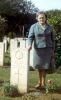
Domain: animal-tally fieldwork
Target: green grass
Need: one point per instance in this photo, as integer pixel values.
(4, 73)
(33, 79)
(7, 59)
(33, 76)
(56, 78)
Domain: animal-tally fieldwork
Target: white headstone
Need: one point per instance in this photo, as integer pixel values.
(19, 65)
(24, 43)
(1, 54)
(14, 67)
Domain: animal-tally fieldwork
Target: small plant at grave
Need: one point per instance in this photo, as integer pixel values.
(10, 90)
(51, 86)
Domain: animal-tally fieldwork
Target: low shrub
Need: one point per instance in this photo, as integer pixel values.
(51, 86)
(10, 90)
(58, 70)
(32, 69)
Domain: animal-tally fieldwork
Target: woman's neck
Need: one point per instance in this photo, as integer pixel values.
(43, 24)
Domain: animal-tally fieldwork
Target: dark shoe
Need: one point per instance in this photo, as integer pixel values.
(42, 87)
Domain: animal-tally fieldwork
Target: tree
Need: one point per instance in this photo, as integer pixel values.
(12, 7)
(3, 27)
(55, 20)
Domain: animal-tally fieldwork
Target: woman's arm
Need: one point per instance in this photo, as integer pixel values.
(30, 37)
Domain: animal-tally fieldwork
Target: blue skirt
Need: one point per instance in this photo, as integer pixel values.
(42, 57)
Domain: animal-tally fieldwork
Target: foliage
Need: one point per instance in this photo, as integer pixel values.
(51, 86)
(10, 90)
(58, 56)
(54, 18)
(32, 69)
(3, 27)
(59, 70)
(12, 7)
(29, 7)
(9, 6)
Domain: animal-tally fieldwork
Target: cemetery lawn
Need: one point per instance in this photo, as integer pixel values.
(33, 79)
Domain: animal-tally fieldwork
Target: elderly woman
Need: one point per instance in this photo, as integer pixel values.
(42, 35)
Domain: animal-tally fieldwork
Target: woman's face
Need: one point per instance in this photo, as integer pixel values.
(41, 18)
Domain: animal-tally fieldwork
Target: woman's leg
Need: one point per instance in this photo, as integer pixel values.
(42, 76)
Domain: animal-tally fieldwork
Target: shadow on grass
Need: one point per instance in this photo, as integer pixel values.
(57, 90)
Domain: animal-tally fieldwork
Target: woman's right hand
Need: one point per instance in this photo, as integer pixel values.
(29, 47)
